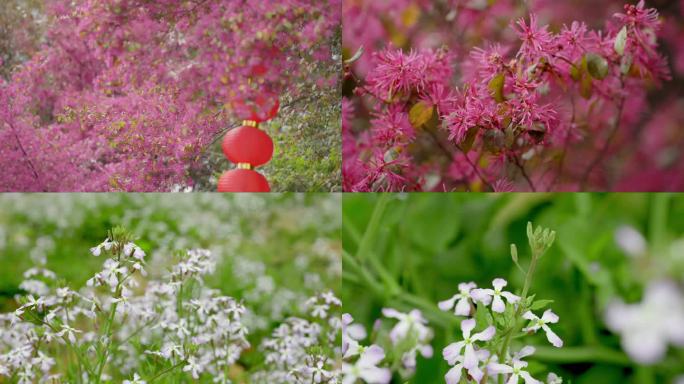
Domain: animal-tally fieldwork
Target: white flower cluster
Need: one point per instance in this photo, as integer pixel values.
(476, 353)
(176, 322)
(409, 337)
(296, 352)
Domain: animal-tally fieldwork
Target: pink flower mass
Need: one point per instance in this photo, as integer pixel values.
(509, 95)
(128, 94)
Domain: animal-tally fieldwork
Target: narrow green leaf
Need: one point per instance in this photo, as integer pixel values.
(621, 41)
(496, 86)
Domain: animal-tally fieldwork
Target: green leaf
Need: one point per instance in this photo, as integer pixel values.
(540, 304)
(620, 41)
(469, 139)
(586, 87)
(481, 316)
(597, 66)
(496, 86)
(420, 114)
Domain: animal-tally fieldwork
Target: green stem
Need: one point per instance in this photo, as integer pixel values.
(373, 226)
(658, 221)
(583, 354)
(523, 299)
(164, 372)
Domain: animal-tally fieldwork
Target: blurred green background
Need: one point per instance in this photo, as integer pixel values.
(416, 248)
(276, 250)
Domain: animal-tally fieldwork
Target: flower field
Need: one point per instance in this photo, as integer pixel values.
(210, 288)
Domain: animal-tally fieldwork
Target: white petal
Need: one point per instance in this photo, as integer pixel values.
(499, 283)
(467, 326)
(356, 331)
(470, 359)
(529, 379)
(482, 295)
(530, 316)
(549, 317)
(454, 375)
(510, 297)
(645, 346)
(426, 351)
(390, 312)
(498, 304)
(552, 337)
(447, 304)
(462, 307)
(497, 368)
(371, 356)
(513, 379)
(452, 352)
(485, 335)
(466, 286)
(375, 375)
(476, 373)
(526, 351)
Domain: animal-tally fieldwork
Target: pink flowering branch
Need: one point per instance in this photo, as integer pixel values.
(515, 110)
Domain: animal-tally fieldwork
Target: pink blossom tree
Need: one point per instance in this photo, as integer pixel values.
(130, 94)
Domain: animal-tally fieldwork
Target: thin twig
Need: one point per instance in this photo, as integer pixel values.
(451, 157)
(516, 161)
(611, 136)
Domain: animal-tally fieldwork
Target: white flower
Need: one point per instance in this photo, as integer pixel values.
(552, 378)
(469, 359)
(516, 371)
(647, 327)
(193, 367)
(69, 332)
(494, 295)
(132, 250)
(107, 245)
(351, 333)
(412, 322)
(462, 306)
(536, 323)
(366, 368)
(411, 327)
(43, 361)
(630, 240)
(136, 380)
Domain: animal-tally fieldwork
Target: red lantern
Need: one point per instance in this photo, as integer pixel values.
(248, 145)
(243, 180)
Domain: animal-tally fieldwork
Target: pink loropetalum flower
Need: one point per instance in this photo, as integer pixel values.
(399, 74)
(470, 359)
(462, 307)
(366, 368)
(536, 40)
(547, 318)
(495, 295)
(639, 17)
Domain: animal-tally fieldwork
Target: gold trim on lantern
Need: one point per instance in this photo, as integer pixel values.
(250, 123)
(244, 166)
